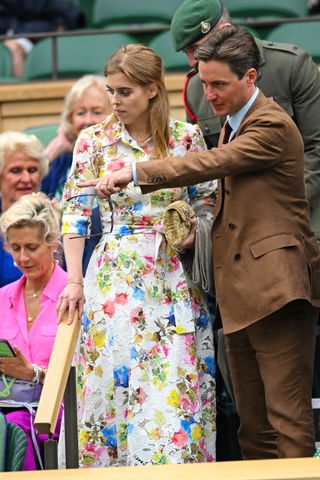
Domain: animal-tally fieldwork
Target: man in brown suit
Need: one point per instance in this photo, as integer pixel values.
(266, 257)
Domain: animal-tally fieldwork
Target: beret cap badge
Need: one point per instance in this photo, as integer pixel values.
(205, 27)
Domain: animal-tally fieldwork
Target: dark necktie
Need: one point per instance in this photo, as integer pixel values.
(227, 132)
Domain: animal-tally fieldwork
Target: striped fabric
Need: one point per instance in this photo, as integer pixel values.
(16, 448)
(3, 441)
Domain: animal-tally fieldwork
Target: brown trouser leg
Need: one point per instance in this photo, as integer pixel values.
(271, 365)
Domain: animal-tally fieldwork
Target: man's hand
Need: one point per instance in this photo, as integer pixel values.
(189, 241)
(111, 183)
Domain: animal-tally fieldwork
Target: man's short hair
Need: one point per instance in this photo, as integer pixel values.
(232, 45)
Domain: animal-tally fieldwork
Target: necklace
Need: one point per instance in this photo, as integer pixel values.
(30, 296)
(141, 140)
(33, 295)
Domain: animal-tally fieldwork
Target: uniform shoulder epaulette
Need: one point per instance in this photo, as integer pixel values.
(189, 75)
(284, 47)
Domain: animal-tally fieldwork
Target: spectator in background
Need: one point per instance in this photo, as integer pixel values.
(23, 162)
(85, 104)
(31, 230)
(314, 7)
(35, 16)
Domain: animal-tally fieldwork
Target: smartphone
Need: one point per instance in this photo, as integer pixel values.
(5, 349)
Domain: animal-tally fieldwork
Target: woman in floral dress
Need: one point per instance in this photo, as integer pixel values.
(146, 371)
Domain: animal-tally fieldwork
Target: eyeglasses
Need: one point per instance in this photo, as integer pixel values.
(111, 206)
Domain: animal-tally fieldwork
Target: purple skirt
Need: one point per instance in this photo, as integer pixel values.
(22, 419)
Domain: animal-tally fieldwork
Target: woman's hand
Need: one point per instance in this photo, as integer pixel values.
(71, 298)
(189, 241)
(17, 366)
(111, 183)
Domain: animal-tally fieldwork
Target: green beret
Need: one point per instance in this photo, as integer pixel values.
(193, 20)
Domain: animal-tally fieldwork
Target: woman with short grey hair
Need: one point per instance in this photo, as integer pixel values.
(23, 163)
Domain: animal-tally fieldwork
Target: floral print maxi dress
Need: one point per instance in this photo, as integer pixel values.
(146, 371)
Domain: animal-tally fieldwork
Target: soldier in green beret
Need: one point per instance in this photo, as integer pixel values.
(287, 73)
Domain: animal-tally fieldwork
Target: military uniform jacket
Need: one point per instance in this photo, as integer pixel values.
(288, 74)
(265, 253)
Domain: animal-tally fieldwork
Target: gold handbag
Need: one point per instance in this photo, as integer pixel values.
(176, 222)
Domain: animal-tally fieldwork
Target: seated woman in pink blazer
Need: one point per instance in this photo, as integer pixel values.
(31, 232)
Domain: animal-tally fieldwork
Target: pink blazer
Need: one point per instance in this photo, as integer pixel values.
(36, 345)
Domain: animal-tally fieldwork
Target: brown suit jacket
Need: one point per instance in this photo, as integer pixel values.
(265, 253)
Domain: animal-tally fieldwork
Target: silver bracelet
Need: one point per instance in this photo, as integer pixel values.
(36, 369)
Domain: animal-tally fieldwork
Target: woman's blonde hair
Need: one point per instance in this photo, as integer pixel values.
(30, 145)
(76, 92)
(143, 66)
(33, 210)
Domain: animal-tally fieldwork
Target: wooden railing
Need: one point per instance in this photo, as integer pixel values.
(36, 103)
(57, 375)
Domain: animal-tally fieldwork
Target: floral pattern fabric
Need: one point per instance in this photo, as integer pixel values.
(146, 370)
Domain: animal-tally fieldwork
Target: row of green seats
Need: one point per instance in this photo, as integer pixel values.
(82, 54)
(86, 53)
(107, 13)
(45, 133)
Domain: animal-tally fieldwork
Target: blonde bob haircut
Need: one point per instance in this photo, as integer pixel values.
(76, 92)
(30, 145)
(143, 66)
(33, 210)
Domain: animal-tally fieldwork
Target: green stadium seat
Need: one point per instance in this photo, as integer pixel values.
(45, 133)
(255, 32)
(173, 61)
(77, 55)
(304, 34)
(87, 7)
(259, 9)
(109, 13)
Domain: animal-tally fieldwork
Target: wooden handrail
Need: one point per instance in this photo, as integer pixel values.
(57, 375)
(40, 102)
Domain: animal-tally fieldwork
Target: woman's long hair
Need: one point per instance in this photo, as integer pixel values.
(143, 66)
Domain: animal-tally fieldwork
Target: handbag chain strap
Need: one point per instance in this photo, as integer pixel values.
(7, 386)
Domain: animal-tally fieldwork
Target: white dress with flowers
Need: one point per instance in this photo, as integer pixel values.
(146, 370)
